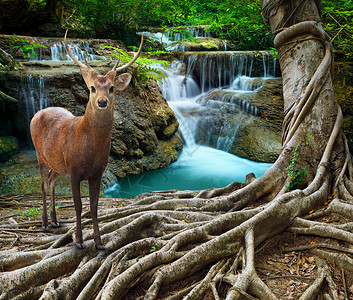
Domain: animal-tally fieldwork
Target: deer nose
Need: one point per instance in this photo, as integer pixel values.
(102, 103)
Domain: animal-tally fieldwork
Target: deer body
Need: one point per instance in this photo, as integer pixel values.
(76, 141)
(78, 146)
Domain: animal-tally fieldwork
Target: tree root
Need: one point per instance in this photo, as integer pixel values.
(323, 274)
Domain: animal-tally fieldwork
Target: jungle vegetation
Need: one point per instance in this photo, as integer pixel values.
(239, 21)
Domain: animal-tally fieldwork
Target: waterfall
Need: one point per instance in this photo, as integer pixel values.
(212, 101)
(32, 97)
(215, 70)
(171, 40)
(180, 34)
(79, 50)
(57, 52)
(211, 96)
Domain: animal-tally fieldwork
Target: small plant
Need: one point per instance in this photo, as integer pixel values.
(153, 249)
(294, 177)
(307, 139)
(34, 212)
(30, 213)
(24, 46)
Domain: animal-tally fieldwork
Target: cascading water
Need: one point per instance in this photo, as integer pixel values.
(80, 51)
(32, 97)
(56, 52)
(209, 113)
(172, 40)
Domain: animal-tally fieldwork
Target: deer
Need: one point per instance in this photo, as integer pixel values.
(79, 146)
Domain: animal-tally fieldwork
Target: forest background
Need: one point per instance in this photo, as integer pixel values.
(239, 21)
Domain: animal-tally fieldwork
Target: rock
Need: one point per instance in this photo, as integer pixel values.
(8, 147)
(257, 141)
(245, 124)
(203, 44)
(5, 58)
(260, 140)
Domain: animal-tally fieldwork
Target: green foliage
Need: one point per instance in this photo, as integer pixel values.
(338, 22)
(238, 20)
(30, 213)
(36, 4)
(34, 212)
(294, 177)
(24, 46)
(144, 69)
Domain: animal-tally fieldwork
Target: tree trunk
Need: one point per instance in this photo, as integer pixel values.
(300, 56)
(162, 238)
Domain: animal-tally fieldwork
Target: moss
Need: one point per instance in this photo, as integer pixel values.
(164, 124)
(171, 129)
(8, 147)
(172, 148)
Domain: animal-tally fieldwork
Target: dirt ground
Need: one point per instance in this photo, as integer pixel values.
(287, 273)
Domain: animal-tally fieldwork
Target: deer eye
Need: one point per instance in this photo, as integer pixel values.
(93, 90)
(111, 90)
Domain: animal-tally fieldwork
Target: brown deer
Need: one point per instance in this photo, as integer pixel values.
(79, 146)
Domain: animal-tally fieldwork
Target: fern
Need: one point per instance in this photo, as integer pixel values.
(294, 177)
(144, 69)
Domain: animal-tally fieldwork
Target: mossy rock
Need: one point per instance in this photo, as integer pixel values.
(204, 44)
(8, 147)
(164, 123)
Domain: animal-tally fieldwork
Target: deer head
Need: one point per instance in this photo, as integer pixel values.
(103, 87)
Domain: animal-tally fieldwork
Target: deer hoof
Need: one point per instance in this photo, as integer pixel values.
(100, 247)
(80, 246)
(45, 228)
(55, 224)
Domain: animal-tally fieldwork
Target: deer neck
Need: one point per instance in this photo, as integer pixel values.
(98, 122)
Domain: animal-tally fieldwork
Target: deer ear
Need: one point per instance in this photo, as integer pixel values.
(88, 76)
(122, 81)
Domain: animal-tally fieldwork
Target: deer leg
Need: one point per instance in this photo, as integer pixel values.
(44, 173)
(94, 188)
(52, 179)
(76, 194)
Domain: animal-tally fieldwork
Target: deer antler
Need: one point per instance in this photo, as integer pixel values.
(115, 69)
(80, 64)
